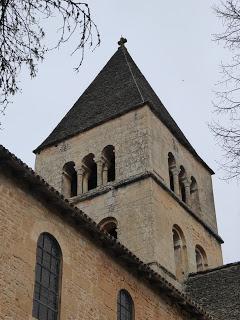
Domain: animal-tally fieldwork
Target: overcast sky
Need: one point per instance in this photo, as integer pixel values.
(171, 42)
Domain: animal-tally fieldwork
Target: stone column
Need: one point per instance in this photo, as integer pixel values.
(85, 181)
(80, 173)
(187, 191)
(175, 173)
(100, 165)
(105, 174)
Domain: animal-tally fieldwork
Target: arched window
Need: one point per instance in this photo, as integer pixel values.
(180, 253)
(47, 278)
(69, 180)
(201, 258)
(90, 172)
(109, 165)
(195, 204)
(171, 167)
(125, 307)
(109, 225)
(182, 179)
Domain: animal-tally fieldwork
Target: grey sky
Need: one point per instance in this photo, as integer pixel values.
(171, 43)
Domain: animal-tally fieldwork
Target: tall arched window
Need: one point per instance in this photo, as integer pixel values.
(109, 157)
(195, 204)
(90, 172)
(125, 307)
(182, 179)
(47, 278)
(201, 258)
(69, 180)
(180, 253)
(171, 168)
(109, 225)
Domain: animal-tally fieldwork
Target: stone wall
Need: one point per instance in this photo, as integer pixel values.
(167, 213)
(141, 143)
(90, 278)
(145, 212)
(129, 134)
(162, 142)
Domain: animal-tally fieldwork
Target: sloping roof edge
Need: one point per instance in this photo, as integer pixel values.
(206, 272)
(110, 245)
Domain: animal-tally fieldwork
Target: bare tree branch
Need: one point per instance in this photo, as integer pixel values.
(22, 36)
(227, 102)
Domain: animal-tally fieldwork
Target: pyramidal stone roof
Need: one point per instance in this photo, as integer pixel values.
(119, 88)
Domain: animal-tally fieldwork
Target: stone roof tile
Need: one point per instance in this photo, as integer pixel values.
(119, 88)
(217, 291)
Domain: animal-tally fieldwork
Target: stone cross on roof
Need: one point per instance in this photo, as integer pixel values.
(122, 42)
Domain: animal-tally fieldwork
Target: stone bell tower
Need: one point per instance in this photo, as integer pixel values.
(120, 157)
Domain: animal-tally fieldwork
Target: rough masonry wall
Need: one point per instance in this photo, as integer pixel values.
(90, 278)
(131, 206)
(146, 214)
(129, 134)
(163, 142)
(166, 213)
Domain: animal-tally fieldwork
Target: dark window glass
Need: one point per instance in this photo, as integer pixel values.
(125, 306)
(171, 180)
(47, 276)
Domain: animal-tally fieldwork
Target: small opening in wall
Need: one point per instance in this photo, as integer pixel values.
(109, 155)
(69, 183)
(182, 179)
(171, 167)
(109, 225)
(90, 171)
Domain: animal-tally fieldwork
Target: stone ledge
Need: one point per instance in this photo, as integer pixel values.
(148, 174)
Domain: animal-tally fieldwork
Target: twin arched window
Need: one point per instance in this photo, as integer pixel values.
(125, 307)
(47, 278)
(91, 173)
(180, 254)
(179, 183)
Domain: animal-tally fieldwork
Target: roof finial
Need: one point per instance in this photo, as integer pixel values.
(122, 42)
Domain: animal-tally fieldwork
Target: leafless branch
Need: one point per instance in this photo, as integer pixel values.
(227, 100)
(22, 36)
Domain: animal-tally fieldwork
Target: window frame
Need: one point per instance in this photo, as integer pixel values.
(57, 275)
(120, 305)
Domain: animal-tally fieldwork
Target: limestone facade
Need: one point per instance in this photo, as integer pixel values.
(90, 278)
(145, 211)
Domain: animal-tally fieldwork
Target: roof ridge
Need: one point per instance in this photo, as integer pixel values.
(124, 49)
(205, 272)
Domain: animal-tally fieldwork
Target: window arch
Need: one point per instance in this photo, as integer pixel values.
(180, 252)
(90, 172)
(109, 225)
(194, 195)
(69, 180)
(201, 258)
(171, 167)
(47, 278)
(182, 179)
(125, 306)
(109, 163)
